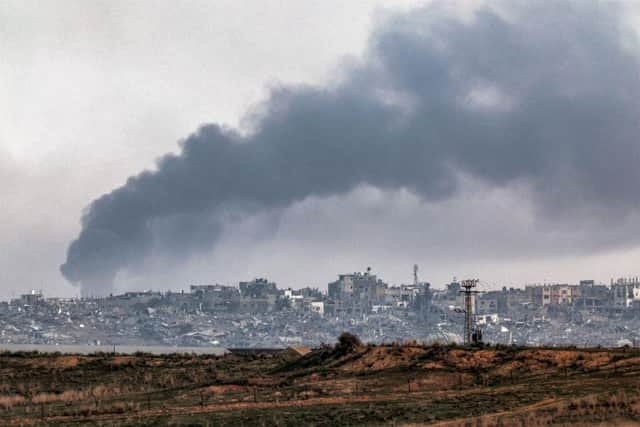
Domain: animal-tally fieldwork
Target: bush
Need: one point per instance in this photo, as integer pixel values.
(347, 343)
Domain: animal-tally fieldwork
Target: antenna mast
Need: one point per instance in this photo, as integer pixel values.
(469, 325)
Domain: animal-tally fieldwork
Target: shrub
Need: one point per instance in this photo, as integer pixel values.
(347, 343)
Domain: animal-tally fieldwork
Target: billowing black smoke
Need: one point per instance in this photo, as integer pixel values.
(543, 94)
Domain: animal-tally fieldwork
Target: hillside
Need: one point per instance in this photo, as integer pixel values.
(346, 384)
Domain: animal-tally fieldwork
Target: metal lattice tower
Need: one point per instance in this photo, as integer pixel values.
(468, 286)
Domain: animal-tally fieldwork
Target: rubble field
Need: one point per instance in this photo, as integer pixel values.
(345, 384)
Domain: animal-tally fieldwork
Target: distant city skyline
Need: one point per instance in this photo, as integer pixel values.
(258, 312)
(323, 287)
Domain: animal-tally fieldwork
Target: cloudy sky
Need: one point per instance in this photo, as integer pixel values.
(468, 138)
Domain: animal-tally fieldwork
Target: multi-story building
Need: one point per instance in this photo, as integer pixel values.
(422, 299)
(486, 304)
(310, 299)
(564, 294)
(259, 296)
(538, 295)
(502, 301)
(181, 301)
(593, 296)
(625, 292)
(216, 298)
(401, 296)
(32, 298)
(355, 294)
(515, 299)
(556, 294)
(450, 295)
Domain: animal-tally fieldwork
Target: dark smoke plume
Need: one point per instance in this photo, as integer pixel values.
(543, 94)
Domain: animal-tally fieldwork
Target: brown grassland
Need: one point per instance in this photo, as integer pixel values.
(346, 384)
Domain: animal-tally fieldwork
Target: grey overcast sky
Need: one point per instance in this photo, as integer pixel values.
(95, 92)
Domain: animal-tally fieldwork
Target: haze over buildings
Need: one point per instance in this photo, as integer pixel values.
(472, 139)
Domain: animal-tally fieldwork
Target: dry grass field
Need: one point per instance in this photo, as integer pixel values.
(345, 384)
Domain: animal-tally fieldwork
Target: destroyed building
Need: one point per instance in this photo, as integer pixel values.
(625, 292)
(258, 313)
(355, 294)
(542, 295)
(216, 298)
(259, 296)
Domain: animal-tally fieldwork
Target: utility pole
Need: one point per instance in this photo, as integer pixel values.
(468, 292)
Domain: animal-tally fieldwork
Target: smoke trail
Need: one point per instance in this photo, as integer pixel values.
(537, 93)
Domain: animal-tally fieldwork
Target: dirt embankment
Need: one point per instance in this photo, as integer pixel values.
(346, 384)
